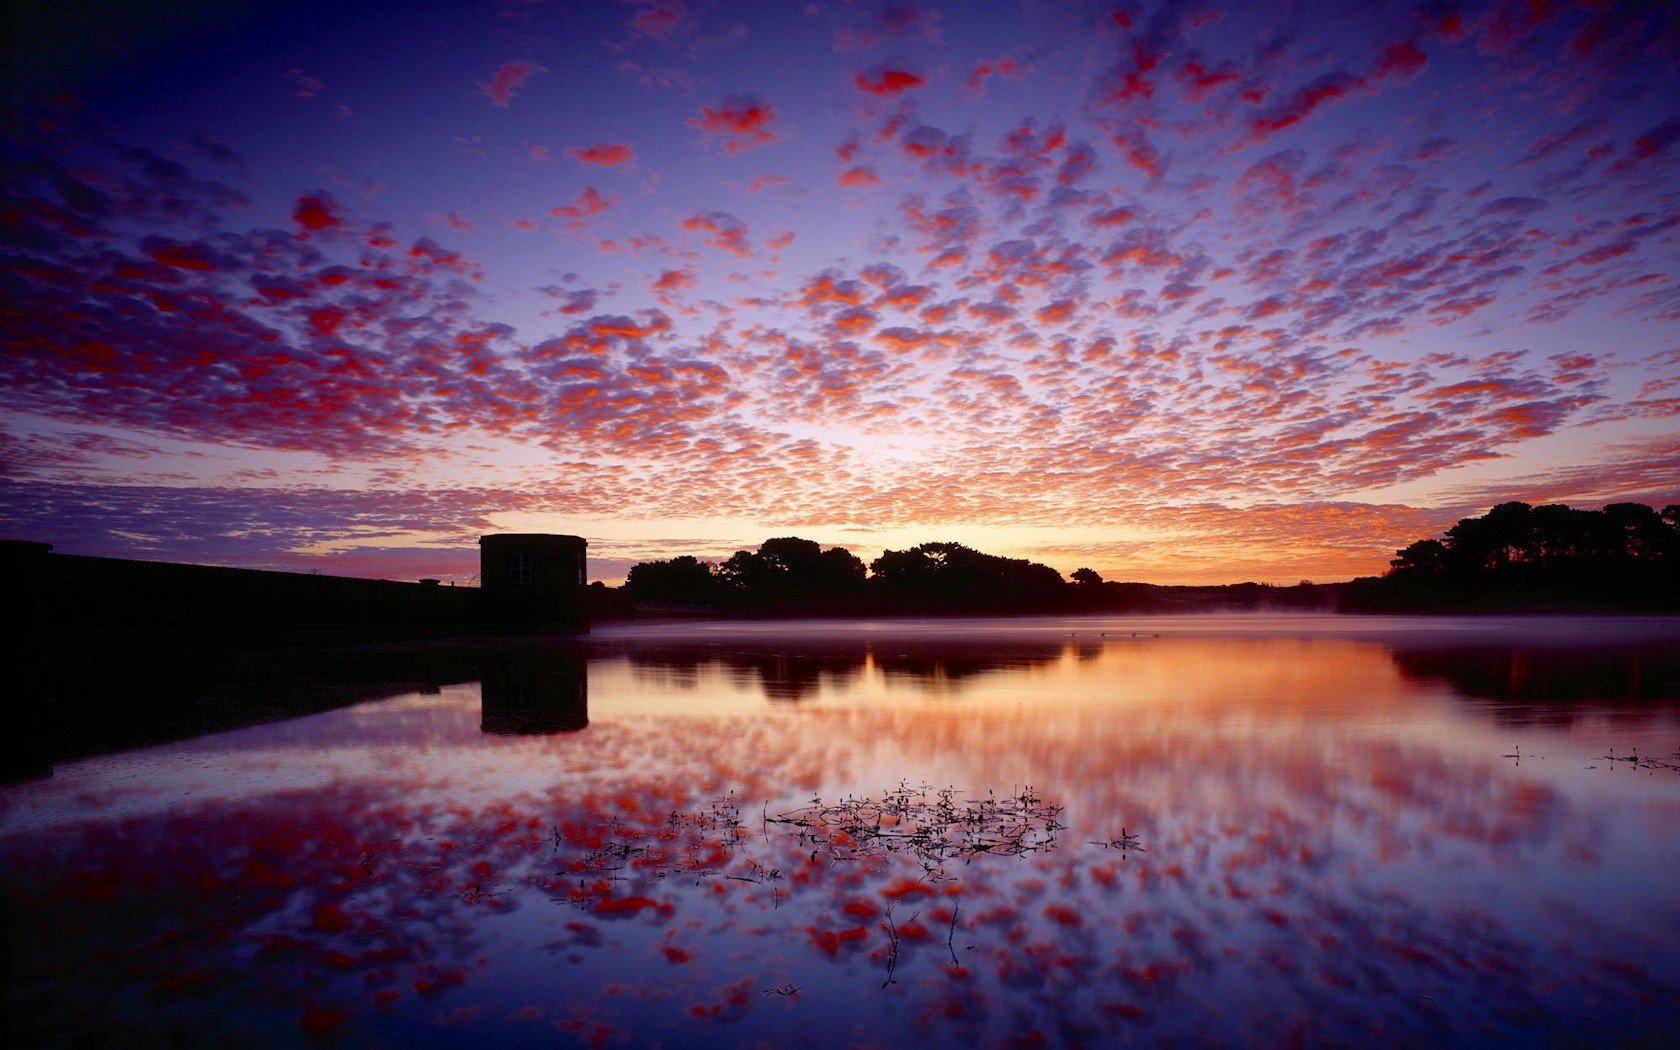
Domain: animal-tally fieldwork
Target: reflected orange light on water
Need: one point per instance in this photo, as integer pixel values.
(1171, 838)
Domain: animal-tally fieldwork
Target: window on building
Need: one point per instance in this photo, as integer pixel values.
(521, 566)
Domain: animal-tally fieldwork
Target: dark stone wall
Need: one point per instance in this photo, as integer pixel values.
(530, 584)
(67, 597)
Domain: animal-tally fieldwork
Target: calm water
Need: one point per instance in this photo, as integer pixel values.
(1197, 830)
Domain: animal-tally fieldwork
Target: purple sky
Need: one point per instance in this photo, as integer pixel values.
(1182, 292)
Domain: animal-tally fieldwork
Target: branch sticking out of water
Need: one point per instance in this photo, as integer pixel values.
(932, 828)
(1126, 843)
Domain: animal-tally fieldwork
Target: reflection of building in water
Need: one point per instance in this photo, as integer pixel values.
(542, 691)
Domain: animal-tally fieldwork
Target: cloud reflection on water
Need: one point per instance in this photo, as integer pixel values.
(1333, 848)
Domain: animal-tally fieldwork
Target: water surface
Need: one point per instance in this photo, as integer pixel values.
(1191, 830)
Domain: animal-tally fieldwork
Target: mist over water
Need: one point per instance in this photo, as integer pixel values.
(1197, 829)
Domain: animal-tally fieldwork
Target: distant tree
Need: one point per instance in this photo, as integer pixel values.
(1642, 532)
(1087, 577)
(1423, 558)
(791, 569)
(950, 575)
(1501, 537)
(1517, 555)
(683, 580)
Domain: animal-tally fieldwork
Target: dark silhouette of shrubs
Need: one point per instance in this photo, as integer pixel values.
(684, 580)
(950, 576)
(785, 574)
(793, 576)
(791, 572)
(788, 574)
(1516, 556)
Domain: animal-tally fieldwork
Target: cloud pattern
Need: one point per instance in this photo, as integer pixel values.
(1283, 299)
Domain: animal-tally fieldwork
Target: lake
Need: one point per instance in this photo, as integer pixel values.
(1186, 830)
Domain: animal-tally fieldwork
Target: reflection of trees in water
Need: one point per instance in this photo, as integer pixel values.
(1290, 886)
(1635, 675)
(783, 675)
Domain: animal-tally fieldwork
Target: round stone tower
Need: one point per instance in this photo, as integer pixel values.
(534, 582)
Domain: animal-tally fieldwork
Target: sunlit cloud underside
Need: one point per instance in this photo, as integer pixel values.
(1181, 292)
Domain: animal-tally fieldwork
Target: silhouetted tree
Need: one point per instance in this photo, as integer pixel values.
(1625, 555)
(952, 576)
(788, 569)
(1423, 558)
(684, 580)
(1501, 537)
(1087, 577)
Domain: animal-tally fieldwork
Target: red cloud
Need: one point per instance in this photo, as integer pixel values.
(589, 203)
(1112, 217)
(858, 177)
(740, 122)
(1305, 102)
(1399, 61)
(723, 231)
(1402, 60)
(317, 211)
(1656, 140)
(674, 281)
(824, 289)
(892, 21)
(1005, 66)
(1199, 81)
(1140, 154)
(658, 20)
(902, 338)
(180, 256)
(885, 80)
(505, 83)
(305, 85)
(603, 154)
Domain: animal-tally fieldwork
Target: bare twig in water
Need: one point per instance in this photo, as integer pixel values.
(892, 946)
(1641, 763)
(932, 829)
(951, 934)
(1125, 843)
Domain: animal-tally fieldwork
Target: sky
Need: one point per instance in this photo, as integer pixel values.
(1180, 292)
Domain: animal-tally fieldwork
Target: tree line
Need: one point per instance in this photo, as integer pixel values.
(1624, 556)
(789, 573)
(1516, 557)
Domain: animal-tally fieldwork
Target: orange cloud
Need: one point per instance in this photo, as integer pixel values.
(859, 176)
(740, 122)
(887, 81)
(506, 81)
(603, 154)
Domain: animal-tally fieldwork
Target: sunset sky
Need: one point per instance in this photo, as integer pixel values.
(1182, 292)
